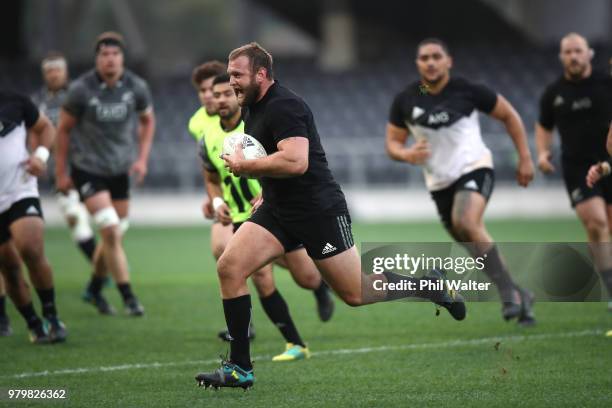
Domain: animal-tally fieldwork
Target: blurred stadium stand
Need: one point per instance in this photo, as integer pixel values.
(350, 105)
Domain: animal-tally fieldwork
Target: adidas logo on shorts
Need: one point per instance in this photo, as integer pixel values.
(32, 210)
(328, 248)
(471, 185)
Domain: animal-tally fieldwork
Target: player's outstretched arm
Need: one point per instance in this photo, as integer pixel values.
(505, 113)
(41, 138)
(291, 160)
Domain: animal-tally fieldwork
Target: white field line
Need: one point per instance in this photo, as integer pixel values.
(362, 350)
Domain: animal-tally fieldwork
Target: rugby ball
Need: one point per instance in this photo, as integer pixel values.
(251, 148)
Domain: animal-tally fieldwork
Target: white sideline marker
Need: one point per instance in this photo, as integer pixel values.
(362, 350)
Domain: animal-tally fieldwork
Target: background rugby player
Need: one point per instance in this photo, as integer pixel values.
(442, 114)
(99, 110)
(22, 126)
(50, 98)
(579, 105)
(206, 121)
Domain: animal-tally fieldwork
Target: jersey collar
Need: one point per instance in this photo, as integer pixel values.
(269, 92)
(230, 130)
(104, 85)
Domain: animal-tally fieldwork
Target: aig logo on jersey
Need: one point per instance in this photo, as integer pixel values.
(112, 112)
(580, 104)
(438, 118)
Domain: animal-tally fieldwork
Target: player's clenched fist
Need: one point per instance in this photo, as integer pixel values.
(597, 172)
(418, 153)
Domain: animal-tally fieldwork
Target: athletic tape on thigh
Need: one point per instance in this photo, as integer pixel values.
(106, 217)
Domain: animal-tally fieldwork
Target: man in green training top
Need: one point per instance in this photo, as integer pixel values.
(203, 121)
(232, 200)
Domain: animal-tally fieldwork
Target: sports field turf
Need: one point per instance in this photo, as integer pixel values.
(393, 354)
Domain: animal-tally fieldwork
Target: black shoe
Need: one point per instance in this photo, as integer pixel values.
(225, 336)
(5, 326)
(449, 299)
(511, 309)
(527, 317)
(56, 329)
(87, 294)
(134, 308)
(102, 305)
(228, 375)
(325, 305)
(38, 335)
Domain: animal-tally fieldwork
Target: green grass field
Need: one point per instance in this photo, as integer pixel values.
(392, 354)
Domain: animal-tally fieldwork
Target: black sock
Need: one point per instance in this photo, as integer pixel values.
(413, 291)
(278, 312)
(606, 277)
(238, 316)
(88, 247)
(498, 273)
(95, 285)
(47, 300)
(29, 315)
(126, 291)
(3, 305)
(322, 291)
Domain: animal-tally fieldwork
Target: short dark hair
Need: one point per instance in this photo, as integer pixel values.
(257, 55)
(433, 40)
(110, 38)
(221, 79)
(207, 70)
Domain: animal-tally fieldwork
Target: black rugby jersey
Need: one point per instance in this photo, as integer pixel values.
(281, 114)
(582, 112)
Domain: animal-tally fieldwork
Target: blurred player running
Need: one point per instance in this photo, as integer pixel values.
(49, 100)
(232, 198)
(579, 105)
(302, 205)
(205, 120)
(100, 110)
(21, 218)
(442, 114)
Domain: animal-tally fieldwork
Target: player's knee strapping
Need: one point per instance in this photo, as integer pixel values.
(106, 217)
